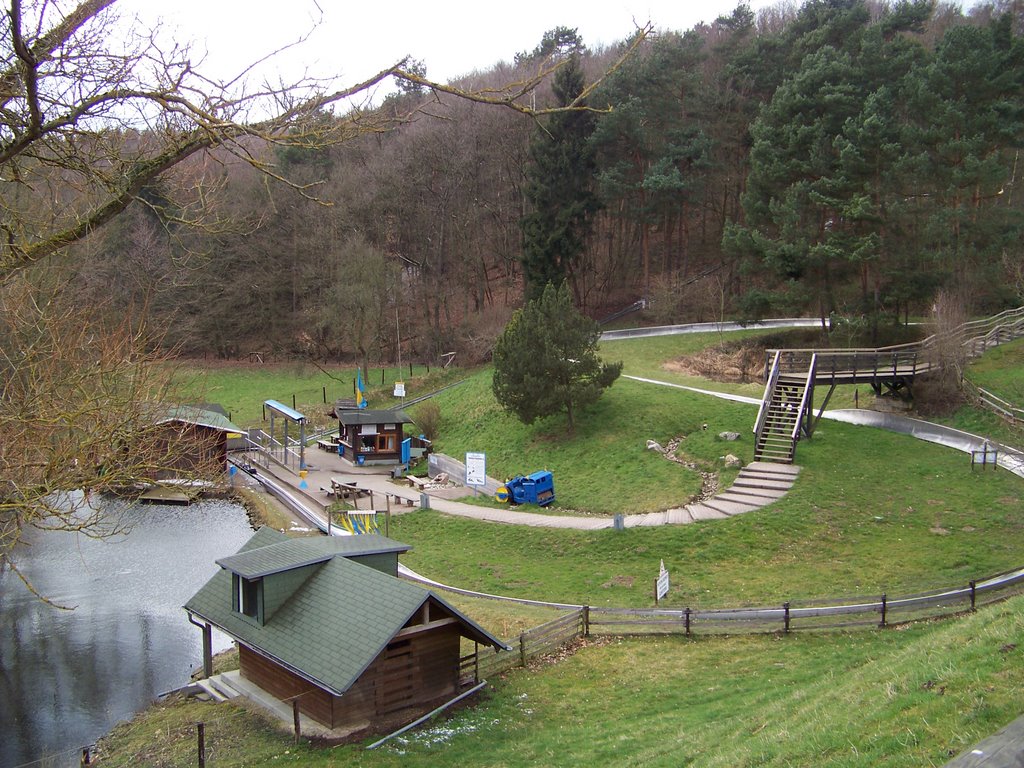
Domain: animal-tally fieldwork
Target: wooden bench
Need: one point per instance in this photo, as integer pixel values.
(418, 482)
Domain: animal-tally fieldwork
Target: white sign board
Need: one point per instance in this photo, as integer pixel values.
(399, 389)
(476, 469)
(661, 588)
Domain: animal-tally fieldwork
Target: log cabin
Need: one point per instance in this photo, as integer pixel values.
(327, 621)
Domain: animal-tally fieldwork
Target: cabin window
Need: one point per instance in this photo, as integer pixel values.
(386, 443)
(247, 596)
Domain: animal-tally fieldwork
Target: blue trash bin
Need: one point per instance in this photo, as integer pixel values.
(360, 460)
(341, 449)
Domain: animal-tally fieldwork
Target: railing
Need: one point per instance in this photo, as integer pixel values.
(910, 359)
(769, 387)
(808, 388)
(791, 616)
(993, 402)
(539, 641)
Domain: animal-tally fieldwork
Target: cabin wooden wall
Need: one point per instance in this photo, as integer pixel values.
(315, 702)
(412, 672)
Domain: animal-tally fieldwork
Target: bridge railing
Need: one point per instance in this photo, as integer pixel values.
(911, 359)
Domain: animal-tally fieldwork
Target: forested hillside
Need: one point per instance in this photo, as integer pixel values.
(842, 158)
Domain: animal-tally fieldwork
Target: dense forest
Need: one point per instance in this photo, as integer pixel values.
(844, 159)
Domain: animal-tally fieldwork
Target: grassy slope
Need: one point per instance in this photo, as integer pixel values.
(872, 511)
(907, 697)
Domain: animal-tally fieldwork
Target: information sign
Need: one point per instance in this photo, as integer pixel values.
(476, 469)
(661, 584)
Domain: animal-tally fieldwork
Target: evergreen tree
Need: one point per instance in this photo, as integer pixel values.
(559, 188)
(545, 361)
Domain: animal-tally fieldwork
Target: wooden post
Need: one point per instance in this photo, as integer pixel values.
(687, 622)
(974, 593)
(786, 607)
(387, 516)
(295, 720)
(207, 651)
(522, 650)
(586, 621)
(201, 744)
(325, 395)
(884, 606)
(85, 756)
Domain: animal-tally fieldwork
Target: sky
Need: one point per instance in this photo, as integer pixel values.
(356, 39)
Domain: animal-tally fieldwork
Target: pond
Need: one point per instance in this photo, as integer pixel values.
(68, 676)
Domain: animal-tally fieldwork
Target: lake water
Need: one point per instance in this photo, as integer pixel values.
(67, 677)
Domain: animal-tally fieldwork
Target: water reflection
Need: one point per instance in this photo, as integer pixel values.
(66, 677)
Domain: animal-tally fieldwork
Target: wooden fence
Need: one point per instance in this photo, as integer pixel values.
(792, 616)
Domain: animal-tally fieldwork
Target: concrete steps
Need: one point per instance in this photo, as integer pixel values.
(758, 484)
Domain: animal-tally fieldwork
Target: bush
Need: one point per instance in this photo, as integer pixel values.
(428, 419)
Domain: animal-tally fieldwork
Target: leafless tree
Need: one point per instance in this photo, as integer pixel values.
(90, 116)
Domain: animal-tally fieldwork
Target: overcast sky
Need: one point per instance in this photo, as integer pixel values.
(452, 37)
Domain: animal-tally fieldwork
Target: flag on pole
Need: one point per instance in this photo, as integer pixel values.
(360, 389)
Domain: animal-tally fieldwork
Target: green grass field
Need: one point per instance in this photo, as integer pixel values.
(913, 696)
(872, 512)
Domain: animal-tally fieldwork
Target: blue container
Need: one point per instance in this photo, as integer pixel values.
(341, 449)
(360, 460)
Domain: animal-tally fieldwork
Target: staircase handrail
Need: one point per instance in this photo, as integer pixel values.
(762, 412)
(808, 388)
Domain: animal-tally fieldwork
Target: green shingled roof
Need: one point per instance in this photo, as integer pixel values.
(335, 623)
(202, 417)
(295, 553)
(374, 417)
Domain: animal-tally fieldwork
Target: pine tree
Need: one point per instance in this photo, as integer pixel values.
(559, 189)
(545, 361)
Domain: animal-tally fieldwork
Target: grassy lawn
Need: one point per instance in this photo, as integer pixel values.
(242, 388)
(910, 696)
(872, 512)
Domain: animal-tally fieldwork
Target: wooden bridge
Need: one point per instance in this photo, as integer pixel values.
(787, 409)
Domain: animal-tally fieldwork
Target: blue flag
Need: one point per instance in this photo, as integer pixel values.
(360, 389)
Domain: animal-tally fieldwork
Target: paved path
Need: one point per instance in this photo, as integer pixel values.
(757, 485)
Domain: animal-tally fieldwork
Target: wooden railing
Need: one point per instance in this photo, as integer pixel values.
(911, 359)
(790, 616)
(772, 378)
(993, 402)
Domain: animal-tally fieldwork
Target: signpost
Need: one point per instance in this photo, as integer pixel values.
(476, 470)
(661, 583)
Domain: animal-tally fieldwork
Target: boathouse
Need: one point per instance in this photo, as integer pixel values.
(199, 435)
(325, 621)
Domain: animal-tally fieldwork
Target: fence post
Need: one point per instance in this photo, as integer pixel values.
(687, 612)
(786, 620)
(586, 621)
(325, 395)
(522, 650)
(85, 756)
(201, 744)
(295, 720)
(884, 606)
(974, 593)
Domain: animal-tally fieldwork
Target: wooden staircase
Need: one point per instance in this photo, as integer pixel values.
(782, 412)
